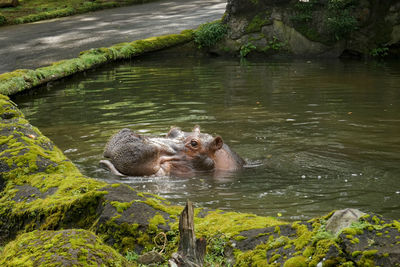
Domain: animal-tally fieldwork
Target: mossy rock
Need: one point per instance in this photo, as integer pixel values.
(74, 247)
(20, 80)
(316, 28)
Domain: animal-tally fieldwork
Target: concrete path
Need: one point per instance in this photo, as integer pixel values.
(34, 45)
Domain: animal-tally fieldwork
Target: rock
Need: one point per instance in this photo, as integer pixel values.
(313, 28)
(151, 257)
(342, 219)
(60, 248)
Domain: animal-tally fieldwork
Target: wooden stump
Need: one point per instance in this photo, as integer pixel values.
(8, 3)
(191, 252)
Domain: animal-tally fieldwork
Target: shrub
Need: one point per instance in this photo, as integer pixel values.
(340, 20)
(3, 19)
(246, 49)
(379, 52)
(209, 34)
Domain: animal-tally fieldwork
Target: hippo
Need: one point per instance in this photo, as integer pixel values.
(178, 153)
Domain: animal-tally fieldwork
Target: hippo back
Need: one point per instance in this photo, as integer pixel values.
(130, 153)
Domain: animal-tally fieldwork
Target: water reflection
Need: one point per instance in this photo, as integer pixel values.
(317, 136)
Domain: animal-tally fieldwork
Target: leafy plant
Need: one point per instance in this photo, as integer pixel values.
(274, 44)
(246, 49)
(3, 19)
(340, 20)
(303, 12)
(379, 52)
(209, 34)
(132, 256)
(216, 252)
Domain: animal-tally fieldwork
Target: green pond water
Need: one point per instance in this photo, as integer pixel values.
(317, 136)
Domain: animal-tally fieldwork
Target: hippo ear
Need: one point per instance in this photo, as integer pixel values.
(196, 129)
(174, 132)
(217, 143)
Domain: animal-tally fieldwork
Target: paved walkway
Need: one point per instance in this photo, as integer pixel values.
(30, 46)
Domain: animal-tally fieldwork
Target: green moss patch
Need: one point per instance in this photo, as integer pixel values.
(20, 80)
(60, 248)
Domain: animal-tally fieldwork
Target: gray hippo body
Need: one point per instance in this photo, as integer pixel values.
(178, 153)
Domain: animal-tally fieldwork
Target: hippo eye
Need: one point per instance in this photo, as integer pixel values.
(194, 143)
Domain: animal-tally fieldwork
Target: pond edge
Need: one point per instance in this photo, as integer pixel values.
(25, 79)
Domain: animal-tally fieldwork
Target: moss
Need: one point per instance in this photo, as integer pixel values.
(258, 21)
(277, 230)
(298, 261)
(304, 235)
(367, 258)
(308, 252)
(321, 249)
(376, 220)
(240, 237)
(231, 223)
(356, 253)
(369, 253)
(57, 248)
(20, 80)
(160, 204)
(274, 258)
(121, 206)
(155, 221)
(396, 224)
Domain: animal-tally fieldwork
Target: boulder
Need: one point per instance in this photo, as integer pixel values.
(341, 219)
(312, 28)
(72, 247)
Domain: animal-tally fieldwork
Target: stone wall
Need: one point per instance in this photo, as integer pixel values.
(323, 28)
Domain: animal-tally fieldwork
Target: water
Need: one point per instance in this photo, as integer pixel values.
(317, 135)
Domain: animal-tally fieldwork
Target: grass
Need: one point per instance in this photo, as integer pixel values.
(36, 10)
(209, 34)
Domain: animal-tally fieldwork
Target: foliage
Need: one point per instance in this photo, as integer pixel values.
(274, 44)
(208, 34)
(132, 256)
(215, 252)
(379, 52)
(3, 19)
(303, 18)
(303, 12)
(340, 20)
(246, 49)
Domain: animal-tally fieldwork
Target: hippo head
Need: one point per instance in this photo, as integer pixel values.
(178, 153)
(199, 149)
